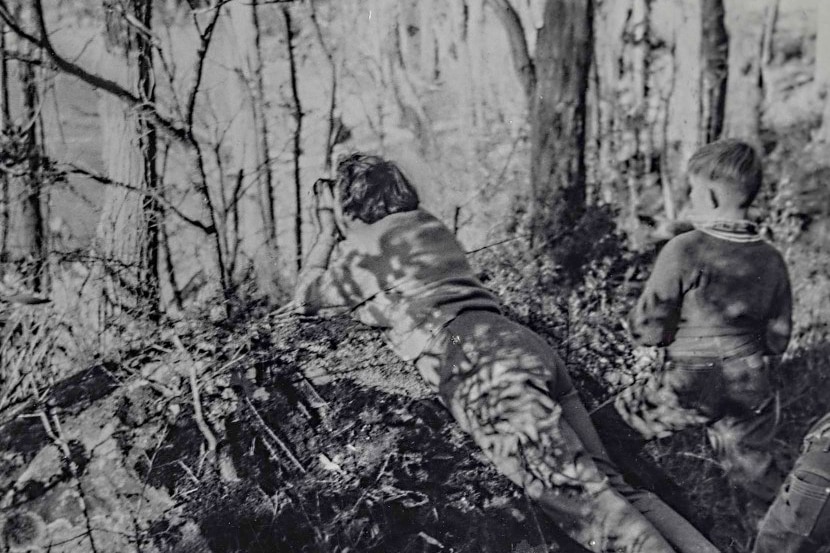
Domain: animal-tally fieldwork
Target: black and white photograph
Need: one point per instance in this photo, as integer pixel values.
(414, 276)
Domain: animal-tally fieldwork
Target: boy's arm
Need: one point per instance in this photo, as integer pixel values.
(779, 323)
(653, 320)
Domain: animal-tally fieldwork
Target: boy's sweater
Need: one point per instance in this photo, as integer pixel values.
(405, 274)
(717, 291)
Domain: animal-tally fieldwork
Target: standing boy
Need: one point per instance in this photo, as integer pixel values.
(401, 270)
(719, 304)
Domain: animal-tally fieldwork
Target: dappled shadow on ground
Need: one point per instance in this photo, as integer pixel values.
(333, 465)
(21, 437)
(384, 473)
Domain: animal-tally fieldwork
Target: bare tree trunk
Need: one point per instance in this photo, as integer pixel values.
(409, 103)
(264, 168)
(32, 235)
(715, 59)
(149, 278)
(558, 115)
(332, 122)
(745, 88)
(129, 224)
(684, 101)
(610, 61)
(297, 138)
(823, 66)
(5, 120)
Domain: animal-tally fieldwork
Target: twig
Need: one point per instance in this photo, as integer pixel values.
(198, 416)
(205, 38)
(197, 410)
(274, 437)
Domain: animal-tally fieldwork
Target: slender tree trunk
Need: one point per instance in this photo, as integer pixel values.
(149, 278)
(264, 167)
(332, 122)
(715, 59)
(823, 66)
(558, 115)
(297, 139)
(5, 119)
(33, 238)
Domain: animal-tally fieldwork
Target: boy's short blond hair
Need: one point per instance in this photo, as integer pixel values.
(734, 169)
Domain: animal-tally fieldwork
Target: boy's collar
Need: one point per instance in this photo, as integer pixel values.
(741, 230)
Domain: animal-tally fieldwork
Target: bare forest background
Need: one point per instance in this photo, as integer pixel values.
(156, 163)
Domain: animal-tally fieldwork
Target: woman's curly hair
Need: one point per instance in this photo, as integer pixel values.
(372, 188)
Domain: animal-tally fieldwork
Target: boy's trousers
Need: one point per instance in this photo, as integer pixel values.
(509, 390)
(732, 397)
(799, 519)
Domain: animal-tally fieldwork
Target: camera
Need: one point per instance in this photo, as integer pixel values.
(322, 184)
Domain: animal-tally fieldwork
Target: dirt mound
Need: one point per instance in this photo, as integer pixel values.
(293, 435)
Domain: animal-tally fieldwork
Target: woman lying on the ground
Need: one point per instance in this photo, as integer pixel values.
(401, 270)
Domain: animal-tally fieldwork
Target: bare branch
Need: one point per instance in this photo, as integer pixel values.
(23, 58)
(198, 416)
(271, 434)
(518, 44)
(92, 79)
(76, 170)
(330, 136)
(205, 37)
(6, 15)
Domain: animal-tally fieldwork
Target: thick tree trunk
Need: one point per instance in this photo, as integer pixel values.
(612, 94)
(129, 224)
(744, 86)
(558, 115)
